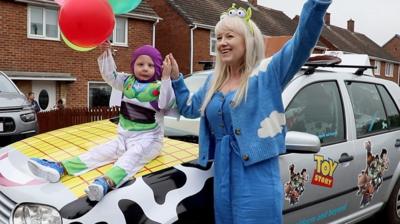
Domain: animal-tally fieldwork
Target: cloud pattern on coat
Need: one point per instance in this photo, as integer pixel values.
(272, 125)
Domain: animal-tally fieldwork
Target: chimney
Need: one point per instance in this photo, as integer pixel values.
(350, 25)
(253, 2)
(327, 19)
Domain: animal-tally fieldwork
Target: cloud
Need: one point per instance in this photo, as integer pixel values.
(272, 125)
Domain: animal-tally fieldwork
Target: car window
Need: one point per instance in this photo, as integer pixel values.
(369, 112)
(6, 85)
(317, 109)
(392, 112)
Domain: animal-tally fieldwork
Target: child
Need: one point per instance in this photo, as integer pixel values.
(140, 130)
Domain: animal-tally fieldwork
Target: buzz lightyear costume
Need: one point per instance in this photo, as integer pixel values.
(140, 128)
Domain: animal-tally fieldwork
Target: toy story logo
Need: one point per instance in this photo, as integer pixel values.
(294, 188)
(323, 173)
(371, 178)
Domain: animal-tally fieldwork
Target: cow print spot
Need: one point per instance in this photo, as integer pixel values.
(133, 213)
(198, 208)
(163, 181)
(194, 164)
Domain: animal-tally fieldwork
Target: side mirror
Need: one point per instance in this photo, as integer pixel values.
(301, 142)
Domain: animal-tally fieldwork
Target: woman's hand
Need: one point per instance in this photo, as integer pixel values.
(166, 72)
(175, 68)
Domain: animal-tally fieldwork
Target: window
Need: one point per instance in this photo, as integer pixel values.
(99, 94)
(389, 69)
(43, 99)
(120, 32)
(392, 111)
(322, 116)
(378, 68)
(43, 23)
(369, 112)
(213, 43)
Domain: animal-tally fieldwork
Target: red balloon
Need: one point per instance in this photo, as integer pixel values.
(86, 23)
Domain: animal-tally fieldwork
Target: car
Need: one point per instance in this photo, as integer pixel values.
(170, 189)
(341, 165)
(17, 117)
(184, 128)
(356, 117)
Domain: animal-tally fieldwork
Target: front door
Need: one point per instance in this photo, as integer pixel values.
(45, 94)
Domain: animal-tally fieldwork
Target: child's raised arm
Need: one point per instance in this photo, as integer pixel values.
(166, 99)
(108, 69)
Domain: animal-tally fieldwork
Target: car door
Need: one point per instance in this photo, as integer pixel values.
(317, 186)
(377, 123)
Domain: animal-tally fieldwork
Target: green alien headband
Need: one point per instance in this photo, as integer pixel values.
(240, 12)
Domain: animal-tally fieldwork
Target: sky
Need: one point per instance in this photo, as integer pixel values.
(378, 19)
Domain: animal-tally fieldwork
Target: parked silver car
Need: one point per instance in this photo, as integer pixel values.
(17, 117)
(356, 117)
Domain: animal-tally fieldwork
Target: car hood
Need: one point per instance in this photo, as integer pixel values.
(10, 100)
(19, 185)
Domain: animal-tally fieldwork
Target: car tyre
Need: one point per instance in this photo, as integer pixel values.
(391, 212)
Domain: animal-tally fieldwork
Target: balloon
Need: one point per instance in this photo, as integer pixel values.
(86, 23)
(73, 46)
(123, 6)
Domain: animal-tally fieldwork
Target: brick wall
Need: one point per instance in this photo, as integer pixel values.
(201, 48)
(393, 47)
(22, 54)
(172, 34)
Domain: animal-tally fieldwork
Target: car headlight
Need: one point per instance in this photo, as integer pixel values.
(35, 214)
(28, 117)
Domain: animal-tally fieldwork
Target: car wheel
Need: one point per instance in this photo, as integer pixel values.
(392, 209)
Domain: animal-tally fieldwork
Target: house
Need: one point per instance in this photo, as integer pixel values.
(393, 46)
(348, 40)
(37, 60)
(187, 29)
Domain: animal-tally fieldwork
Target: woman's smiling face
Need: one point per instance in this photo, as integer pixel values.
(231, 47)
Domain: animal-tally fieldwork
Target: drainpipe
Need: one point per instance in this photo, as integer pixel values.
(154, 32)
(398, 75)
(191, 47)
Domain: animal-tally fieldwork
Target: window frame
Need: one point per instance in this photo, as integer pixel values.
(385, 104)
(377, 71)
(390, 67)
(213, 39)
(338, 87)
(384, 108)
(43, 36)
(114, 33)
(88, 90)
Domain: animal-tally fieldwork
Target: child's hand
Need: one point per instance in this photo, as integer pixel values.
(175, 68)
(166, 72)
(105, 46)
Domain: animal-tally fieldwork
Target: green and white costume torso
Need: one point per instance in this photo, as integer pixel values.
(137, 142)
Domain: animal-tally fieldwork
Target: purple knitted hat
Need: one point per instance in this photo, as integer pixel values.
(154, 54)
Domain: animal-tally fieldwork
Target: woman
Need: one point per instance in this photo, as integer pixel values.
(242, 124)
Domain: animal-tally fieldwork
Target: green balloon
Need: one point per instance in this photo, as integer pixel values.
(123, 6)
(75, 47)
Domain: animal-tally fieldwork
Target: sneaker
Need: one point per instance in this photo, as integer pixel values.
(96, 190)
(49, 170)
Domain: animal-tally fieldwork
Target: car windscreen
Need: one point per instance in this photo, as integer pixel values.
(195, 81)
(6, 85)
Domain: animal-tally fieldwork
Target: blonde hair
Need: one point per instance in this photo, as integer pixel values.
(254, 53)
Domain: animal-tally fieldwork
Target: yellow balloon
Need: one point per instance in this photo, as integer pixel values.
(75, 47)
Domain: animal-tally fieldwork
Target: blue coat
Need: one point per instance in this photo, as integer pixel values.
(259, 122)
